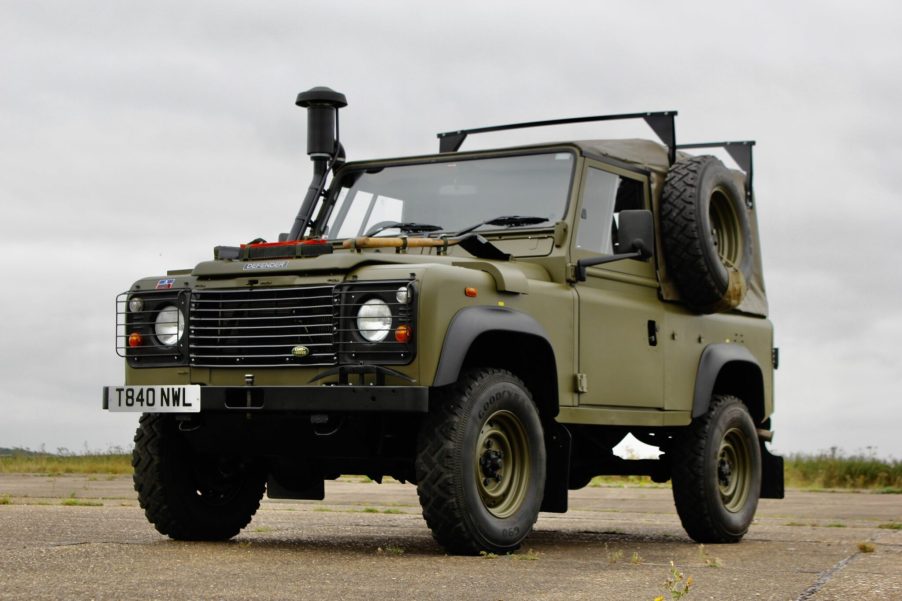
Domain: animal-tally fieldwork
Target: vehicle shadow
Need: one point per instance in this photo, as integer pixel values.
(420, 543)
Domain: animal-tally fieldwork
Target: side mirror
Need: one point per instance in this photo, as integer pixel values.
(636, 233)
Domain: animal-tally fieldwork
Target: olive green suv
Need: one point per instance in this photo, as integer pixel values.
(486, 325)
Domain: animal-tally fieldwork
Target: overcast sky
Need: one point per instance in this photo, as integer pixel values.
(135, 137)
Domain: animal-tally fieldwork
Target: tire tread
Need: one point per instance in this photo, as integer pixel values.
(689, 477)
(682, 236)
(435, 462)
(167, 508)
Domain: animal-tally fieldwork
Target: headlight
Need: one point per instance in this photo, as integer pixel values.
(402, 295)
(169, 325)
(374, 320)
(136, 304)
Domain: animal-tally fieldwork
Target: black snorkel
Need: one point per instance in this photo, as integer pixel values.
(323, 147)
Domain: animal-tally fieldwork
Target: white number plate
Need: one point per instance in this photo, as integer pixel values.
(154, 399)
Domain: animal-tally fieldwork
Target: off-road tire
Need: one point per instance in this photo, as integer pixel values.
(716, 472)
(474, 499)
(187, 496)
(706, 234)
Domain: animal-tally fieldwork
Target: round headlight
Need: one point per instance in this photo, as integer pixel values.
(169, 325)
(135, 304)
(374, 320)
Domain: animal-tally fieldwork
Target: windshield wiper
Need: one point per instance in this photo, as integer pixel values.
(409, 227)
(506, 221)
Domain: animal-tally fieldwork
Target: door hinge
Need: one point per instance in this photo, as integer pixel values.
(582, 383)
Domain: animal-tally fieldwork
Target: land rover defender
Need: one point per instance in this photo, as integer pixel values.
(486, 325)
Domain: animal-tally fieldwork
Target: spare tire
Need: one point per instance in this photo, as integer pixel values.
(706, 234)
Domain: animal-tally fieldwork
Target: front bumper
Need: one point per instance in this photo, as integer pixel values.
(309, 399)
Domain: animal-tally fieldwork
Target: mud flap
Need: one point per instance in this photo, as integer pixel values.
(771, 475)
(558, 442)
(313, 489)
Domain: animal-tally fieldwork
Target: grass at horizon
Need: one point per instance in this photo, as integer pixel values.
(824, 471)
(839, 471)
(29, 462)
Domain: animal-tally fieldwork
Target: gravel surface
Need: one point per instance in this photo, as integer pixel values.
(368, 541)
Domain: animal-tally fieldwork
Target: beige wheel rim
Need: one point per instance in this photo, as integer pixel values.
(734, 473)
(726, 233)
(502, 464)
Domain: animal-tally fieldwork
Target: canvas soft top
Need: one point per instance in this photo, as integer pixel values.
(656, 159)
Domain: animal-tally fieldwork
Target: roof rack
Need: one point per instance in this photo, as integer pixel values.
(741, 152)
(662, 123)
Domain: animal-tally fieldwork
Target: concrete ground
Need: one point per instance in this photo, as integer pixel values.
(76, 537)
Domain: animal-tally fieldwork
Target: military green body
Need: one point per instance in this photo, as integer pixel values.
(622, 354)
(487, 325)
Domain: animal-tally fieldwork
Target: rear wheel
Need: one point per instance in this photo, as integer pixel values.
(717, 473)
(481, 464)
(187, 495)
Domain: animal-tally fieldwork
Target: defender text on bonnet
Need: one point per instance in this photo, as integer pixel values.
(486, 325)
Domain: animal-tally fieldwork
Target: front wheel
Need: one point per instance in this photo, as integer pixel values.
(187, 495)
(717, 473)
(481, 464)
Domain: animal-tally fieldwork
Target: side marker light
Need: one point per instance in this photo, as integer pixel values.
(135, 340)
(471, 292)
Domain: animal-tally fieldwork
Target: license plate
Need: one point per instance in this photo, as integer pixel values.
(152, 399)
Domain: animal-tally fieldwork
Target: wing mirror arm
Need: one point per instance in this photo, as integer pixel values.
(636, 226)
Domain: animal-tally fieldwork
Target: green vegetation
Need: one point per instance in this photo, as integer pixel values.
(5, 500)
(613, 556)
(833, 470)
(530, 555)
(677, 585)
(624, 481)
(73, 502)
(708, 559)
(837, 470)
(891, 526)
(24, 461)
(829, 470)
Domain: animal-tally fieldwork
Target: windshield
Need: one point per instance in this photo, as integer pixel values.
(451, 195)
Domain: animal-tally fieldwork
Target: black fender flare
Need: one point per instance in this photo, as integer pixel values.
(467, 325)
(471, 322)
(713, 360)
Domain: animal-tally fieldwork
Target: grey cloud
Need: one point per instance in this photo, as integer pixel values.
(137, 137)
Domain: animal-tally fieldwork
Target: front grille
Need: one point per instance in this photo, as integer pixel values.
(263, 327)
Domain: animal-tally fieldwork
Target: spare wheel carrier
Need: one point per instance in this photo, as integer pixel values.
(706, 234)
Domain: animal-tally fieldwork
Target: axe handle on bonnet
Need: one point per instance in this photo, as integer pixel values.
(400, 242)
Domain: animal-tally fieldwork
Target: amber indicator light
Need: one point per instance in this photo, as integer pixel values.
(471, 292)
(402, 334)
(135, 339)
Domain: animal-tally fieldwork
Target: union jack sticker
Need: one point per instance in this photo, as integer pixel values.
(165, 284)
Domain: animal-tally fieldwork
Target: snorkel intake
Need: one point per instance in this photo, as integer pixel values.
(323, 147)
